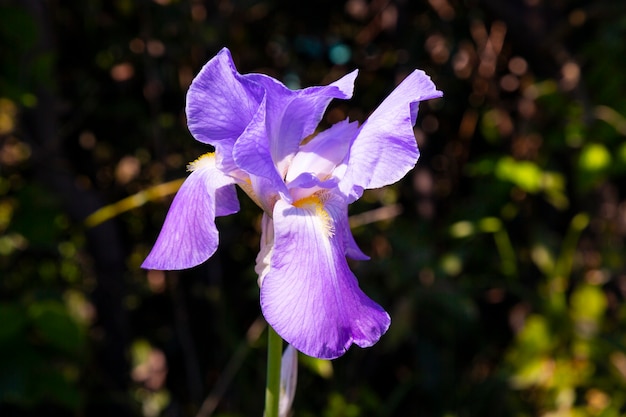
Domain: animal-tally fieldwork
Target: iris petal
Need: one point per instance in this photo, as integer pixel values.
(310, 296)
(294, 114)
(323, 152)
(220, 105)
(282, 121)
(352, 250)
(252, 155)
(189, 235)
(385, 148)
(257, 125)
(220, 102)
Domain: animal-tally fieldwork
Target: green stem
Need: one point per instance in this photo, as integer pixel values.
(274, 355)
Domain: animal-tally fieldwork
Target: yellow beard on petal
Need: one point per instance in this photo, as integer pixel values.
(208, 160)
(315, 204)
(202, 161)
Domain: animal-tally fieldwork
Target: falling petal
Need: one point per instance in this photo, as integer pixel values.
(189, 235)
(310, 296)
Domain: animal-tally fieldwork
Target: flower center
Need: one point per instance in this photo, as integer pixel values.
(315, 205)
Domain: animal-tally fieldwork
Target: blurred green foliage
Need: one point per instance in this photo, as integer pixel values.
(500, 257)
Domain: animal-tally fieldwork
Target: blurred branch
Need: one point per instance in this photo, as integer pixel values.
(136, 200)
(611, 117)
(162, 190)
(376, 215)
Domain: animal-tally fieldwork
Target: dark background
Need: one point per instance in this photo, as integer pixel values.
(500, 257)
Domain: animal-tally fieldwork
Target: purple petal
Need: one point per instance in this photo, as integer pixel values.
(220, 104)
(306, 184)
(189, 236)
(293, 115)
(352, 250)
(252, 155)
(309, 295)
(324, 152)
(385, 148)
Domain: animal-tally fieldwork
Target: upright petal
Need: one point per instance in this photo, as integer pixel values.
(309, 295)
(324, 152)
(385, 148)
(294, 114)
(252, 155)
(189, 236)
(220, 105)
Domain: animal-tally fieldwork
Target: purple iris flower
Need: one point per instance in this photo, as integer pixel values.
(265, 141)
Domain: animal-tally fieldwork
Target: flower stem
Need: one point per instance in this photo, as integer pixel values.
(272, 389)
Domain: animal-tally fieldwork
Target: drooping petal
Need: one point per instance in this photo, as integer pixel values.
(220, 104)
(309, 295)
(189, 235)
(385, 148)
(352, 250)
